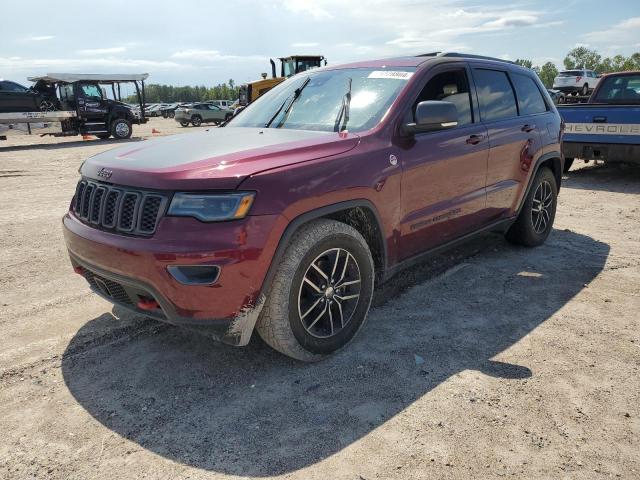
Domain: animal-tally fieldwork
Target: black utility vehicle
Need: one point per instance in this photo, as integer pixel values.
(82, 104)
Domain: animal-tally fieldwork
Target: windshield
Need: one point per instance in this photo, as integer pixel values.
(623, 89)
(316, 104)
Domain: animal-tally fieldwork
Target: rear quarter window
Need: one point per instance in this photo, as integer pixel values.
(495, 95)
(530, 100)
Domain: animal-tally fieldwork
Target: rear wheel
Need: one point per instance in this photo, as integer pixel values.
(47, 105)
(535, 221)
(172, 114)
(196, 120)
(321, 293)
(121, 128)
(184, 123)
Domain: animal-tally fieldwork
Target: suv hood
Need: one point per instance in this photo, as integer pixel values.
(219, 158)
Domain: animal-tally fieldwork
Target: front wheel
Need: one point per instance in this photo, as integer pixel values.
(535, 221)
(121, 128)
(184, 123)
(321, 292)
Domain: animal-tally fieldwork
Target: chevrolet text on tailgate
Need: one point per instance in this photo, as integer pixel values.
(336, 179)
(607, 127)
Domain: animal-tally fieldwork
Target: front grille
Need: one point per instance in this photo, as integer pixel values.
(116, 208)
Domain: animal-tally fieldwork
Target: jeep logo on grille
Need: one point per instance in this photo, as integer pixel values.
(104, 173)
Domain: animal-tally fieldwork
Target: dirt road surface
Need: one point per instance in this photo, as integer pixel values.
(488, 361)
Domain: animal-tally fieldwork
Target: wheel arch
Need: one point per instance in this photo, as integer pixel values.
(361, 214)
(554, 161)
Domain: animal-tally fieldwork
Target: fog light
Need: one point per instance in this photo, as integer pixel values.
(195, 274)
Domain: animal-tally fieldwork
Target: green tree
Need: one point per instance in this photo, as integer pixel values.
(524, 63)
(547, 73)
(582, 57)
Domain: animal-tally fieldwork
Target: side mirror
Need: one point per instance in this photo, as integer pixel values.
(433, 115)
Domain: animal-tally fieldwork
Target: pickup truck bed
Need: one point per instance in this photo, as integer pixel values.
(602, 130)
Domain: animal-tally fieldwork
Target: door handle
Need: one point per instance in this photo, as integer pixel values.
(475, 139)
(528, 128)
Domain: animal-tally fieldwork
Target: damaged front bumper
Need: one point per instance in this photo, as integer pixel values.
(143, 299)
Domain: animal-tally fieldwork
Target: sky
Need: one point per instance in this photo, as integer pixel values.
(188, 42)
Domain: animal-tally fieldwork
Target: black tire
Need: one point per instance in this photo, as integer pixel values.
(533, 225)
(567, 165)
(184, 123)
(325, 243)
(121, 128)
(172, 114)
(585, 90)
(103, 136)
(196, 120)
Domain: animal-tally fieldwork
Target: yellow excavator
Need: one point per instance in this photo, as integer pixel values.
(289, 66)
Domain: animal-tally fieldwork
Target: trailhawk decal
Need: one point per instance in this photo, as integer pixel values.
(603, 128)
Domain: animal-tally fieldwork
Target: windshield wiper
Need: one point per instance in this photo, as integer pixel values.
(291, 100)
(343, 114)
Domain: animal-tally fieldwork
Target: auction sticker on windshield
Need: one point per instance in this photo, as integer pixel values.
(399, 75)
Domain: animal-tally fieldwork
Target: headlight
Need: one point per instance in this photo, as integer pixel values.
(211, 207)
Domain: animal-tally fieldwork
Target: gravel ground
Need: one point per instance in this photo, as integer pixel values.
(488, 361)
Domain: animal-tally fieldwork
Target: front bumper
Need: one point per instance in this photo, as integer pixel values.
(135, 268)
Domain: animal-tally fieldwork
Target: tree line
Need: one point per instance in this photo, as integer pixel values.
(155, 93)
(582, 57)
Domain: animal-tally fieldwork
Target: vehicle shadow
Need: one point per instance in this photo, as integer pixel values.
(62, 145)
(250, 411)
(610, 177)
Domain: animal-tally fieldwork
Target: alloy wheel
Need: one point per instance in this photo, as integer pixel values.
(47, 106)
(541, 207)
(329, 293)
(122, 129)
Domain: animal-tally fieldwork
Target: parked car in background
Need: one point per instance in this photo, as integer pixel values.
(200, 113)
(153, 110)
(576, 81)
(18, 98)
(336, 179)
(557, 96)
(169, 110)
(607, 127)
(222, 103)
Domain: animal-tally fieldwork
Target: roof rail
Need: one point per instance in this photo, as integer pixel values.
(464, 55)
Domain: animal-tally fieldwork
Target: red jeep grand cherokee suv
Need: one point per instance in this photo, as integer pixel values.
(336, 178)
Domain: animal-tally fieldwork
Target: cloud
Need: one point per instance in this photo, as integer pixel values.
(309, 7)
(101, 51)
(197, 54)
(304, 44)
(624, 32)
(71, 64)
(513, 21)
(40, 38)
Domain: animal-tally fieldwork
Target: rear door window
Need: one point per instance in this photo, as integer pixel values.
(530, 99)
(495, 95)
